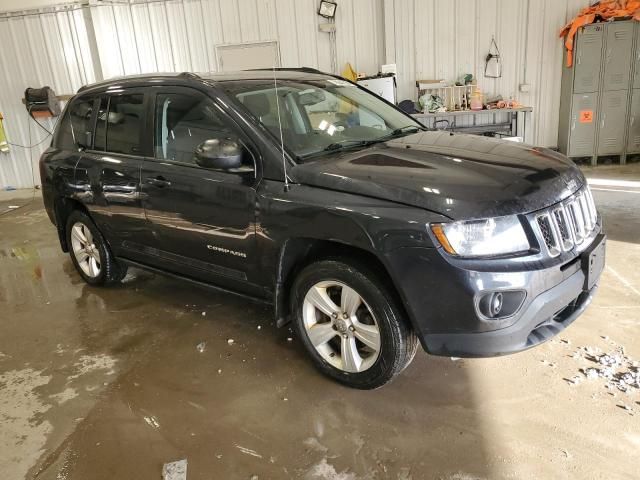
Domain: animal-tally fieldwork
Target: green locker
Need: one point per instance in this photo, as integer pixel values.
(633, 144)
(599, 100)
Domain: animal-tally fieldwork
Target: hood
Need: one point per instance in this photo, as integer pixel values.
(460, 176)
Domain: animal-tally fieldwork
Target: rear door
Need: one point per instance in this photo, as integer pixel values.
(203, 220)
(108, 175)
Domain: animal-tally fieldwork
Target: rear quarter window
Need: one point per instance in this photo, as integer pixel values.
(76, 126)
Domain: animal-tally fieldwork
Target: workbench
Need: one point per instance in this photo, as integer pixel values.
(510, 122)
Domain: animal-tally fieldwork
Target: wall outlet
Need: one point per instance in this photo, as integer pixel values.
(525, 87)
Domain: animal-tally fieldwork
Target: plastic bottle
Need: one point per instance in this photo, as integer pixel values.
(475, 101)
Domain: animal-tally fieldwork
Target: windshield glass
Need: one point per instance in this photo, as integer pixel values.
(322, 115)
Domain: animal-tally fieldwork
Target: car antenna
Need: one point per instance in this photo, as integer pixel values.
(284, 162)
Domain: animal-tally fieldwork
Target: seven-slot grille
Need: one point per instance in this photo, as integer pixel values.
(569, 223)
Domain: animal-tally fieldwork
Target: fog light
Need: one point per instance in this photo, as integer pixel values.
(495, 305)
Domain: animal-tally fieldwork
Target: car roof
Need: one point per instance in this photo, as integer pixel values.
(211, 77)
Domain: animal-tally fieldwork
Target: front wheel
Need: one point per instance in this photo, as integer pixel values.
(350, 324)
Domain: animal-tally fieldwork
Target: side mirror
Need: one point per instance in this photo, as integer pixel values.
(219, 154)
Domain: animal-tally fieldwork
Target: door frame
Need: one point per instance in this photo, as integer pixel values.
(246, 139)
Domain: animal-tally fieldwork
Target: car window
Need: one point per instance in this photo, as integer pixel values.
(124, 123)
(100, 140)
(334, 111)
(319, 115)
(75, 129)
(184, 121)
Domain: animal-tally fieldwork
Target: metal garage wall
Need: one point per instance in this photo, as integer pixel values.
(37, 49)
(441, 39)
(426, 38)
(181, 35)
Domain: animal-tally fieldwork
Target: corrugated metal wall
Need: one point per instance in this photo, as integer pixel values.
(442, 39)
(426, 38)
(181, 35)
(36, 50)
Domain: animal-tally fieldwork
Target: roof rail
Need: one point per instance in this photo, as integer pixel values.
(188, 75)
(290, 69)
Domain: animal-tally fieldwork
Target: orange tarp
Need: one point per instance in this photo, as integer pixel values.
(605, 10)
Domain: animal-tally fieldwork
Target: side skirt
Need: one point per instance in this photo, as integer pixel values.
(192, 281)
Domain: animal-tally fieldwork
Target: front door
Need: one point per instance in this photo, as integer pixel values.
(202, 219)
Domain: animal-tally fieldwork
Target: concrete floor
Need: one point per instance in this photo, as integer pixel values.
(108, 383)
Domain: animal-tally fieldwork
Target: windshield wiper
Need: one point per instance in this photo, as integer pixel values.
(345, 144)
(360, 143)
(351, 143)
(401, 130)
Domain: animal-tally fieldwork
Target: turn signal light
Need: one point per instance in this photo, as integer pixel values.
(442, 238)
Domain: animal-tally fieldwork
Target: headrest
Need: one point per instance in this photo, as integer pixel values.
(257, 103)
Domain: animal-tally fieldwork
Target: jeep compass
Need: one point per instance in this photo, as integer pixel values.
(368, 232)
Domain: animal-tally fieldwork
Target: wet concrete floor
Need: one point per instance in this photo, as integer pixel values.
(109, 383)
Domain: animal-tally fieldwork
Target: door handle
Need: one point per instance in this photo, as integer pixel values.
(158, 181)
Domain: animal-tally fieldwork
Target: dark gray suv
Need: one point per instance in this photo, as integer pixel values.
(305, 191)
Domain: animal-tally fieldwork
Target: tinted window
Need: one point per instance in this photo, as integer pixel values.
(183, 122)
(101, 125)
(76, 126)
(124, 123)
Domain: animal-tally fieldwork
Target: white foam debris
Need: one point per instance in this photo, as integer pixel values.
(616, 368)
(91, 363)
(248, 451)
(591, 373)
(324, 470)
(230, 341)
(175, 470)
(152, 421)
(201, 346)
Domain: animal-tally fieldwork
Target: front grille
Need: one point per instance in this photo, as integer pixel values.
(569, 224)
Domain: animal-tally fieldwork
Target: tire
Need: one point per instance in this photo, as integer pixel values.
(327, 285)
(90, 253)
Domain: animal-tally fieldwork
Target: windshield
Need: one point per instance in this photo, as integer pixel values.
(322, 115)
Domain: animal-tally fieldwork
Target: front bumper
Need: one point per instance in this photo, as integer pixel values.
(440, 297)
(549, 314)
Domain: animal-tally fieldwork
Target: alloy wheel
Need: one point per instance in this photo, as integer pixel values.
(85, 250)
(341, 326)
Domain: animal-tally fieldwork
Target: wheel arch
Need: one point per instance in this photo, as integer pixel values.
(62, 208)
(296, 253)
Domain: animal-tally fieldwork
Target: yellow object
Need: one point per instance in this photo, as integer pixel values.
(4, 146)
(438, 231)
(349, 73)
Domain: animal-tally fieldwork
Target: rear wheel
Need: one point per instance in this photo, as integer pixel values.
(90, 253)
(350, 324)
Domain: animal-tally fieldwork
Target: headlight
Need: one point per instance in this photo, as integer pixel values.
(486, 237)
